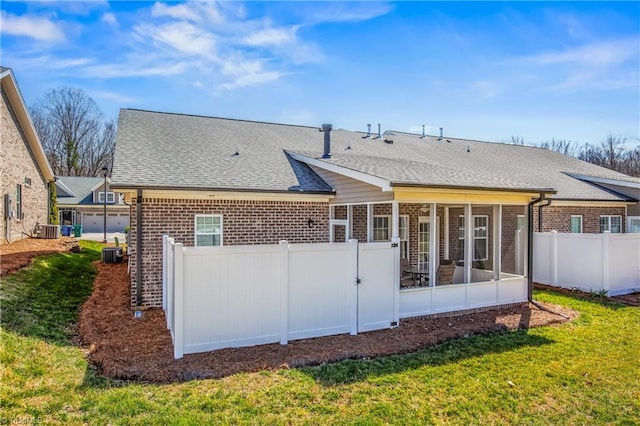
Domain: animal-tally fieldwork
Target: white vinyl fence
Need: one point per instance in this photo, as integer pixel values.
(589, 262)
(219, 297)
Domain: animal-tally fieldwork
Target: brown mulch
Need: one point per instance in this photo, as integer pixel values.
(140, 349)
(20, 253)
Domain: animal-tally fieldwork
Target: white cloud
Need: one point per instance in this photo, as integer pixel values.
(272, 36)
(252, 79)
(191, 11)
(350, 11)
(110, 19)
(134, 68)
(183, 37)
(113, 96)
(34, 27)
(599, 54)
(485, 88)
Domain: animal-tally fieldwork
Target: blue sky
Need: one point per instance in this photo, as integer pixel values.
(481, 70)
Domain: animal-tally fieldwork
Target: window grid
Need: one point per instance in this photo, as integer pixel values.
(381, 228)
(208, 230)
(611, 223)
(480, 237)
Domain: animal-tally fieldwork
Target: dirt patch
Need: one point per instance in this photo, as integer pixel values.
(20, 253)
(632, 299)
(128, 348)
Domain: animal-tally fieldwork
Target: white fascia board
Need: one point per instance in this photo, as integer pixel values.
(606, 181)
(383, 184)
(97, 185)
(65, 188)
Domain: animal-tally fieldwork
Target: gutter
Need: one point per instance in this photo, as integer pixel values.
(545, 202)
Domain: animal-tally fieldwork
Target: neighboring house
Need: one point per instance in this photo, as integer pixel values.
(25, 173)
(81, 202)
(216, 182)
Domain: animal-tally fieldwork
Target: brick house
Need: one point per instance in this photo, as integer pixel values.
(25, 173)
(81, 201)
(214, 181)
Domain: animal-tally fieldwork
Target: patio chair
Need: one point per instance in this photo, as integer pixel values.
(406, 280)
(445, 272)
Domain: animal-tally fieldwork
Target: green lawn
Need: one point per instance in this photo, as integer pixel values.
(585, 372)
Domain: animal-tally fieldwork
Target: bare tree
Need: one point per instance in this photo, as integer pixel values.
(562, 146)
(74, 135)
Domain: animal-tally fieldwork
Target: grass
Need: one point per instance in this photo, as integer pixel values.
(584, 372)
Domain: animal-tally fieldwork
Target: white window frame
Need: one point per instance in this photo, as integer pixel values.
(608, 218)
(111, 197)
(19, 202)
(631, 219)
(196, 233)
(575, 216)
(388, 228)
(461, 233)
(404, 239)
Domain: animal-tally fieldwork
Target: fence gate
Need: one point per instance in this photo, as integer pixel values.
(377, 290)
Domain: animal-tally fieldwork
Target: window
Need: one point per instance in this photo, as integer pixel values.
(404, 236)
(520, 225)
(480, 237)
(208, 230)
(611, 223)
(576, 224)
(19, 202)
(381, 228)
(111, 197)
(633, 224)
(27, 182)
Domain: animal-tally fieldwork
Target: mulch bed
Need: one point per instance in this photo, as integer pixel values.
(140, 349)
(19, 254)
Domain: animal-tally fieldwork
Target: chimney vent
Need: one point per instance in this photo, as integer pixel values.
(379, 136)
(440, 138)
(326, 129)
(424, 135)
(368, 135)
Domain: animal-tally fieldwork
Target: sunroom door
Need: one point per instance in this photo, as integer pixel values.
(423, 240)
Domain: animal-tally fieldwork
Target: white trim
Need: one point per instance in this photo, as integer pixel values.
(571, 225)
(582, 203)
(629, 219)
(373, 227)
(101, 197)
(609, 216)
(195, 228)
(605, 180)
(383, 184)
(194, 194)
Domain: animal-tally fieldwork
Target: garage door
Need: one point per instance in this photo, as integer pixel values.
(94, 222)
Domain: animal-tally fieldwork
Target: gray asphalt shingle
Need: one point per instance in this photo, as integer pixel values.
(183, 151)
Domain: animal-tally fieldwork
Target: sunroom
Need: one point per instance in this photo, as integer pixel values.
(482, 236)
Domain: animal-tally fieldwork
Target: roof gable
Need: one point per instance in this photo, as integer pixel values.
(10, 86)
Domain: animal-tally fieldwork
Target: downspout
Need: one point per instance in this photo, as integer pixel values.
(542, 199)
(547, 202)
(139, 248)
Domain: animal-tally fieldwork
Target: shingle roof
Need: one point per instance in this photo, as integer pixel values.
(81, 186)
(182, 151)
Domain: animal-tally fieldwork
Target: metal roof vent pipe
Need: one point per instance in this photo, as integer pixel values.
(368, 135)
(440, 138)
(379, 136)
(326, 129)
(424, 135)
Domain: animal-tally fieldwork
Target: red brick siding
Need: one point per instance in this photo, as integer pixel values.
(244, 222)
(558, 218)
